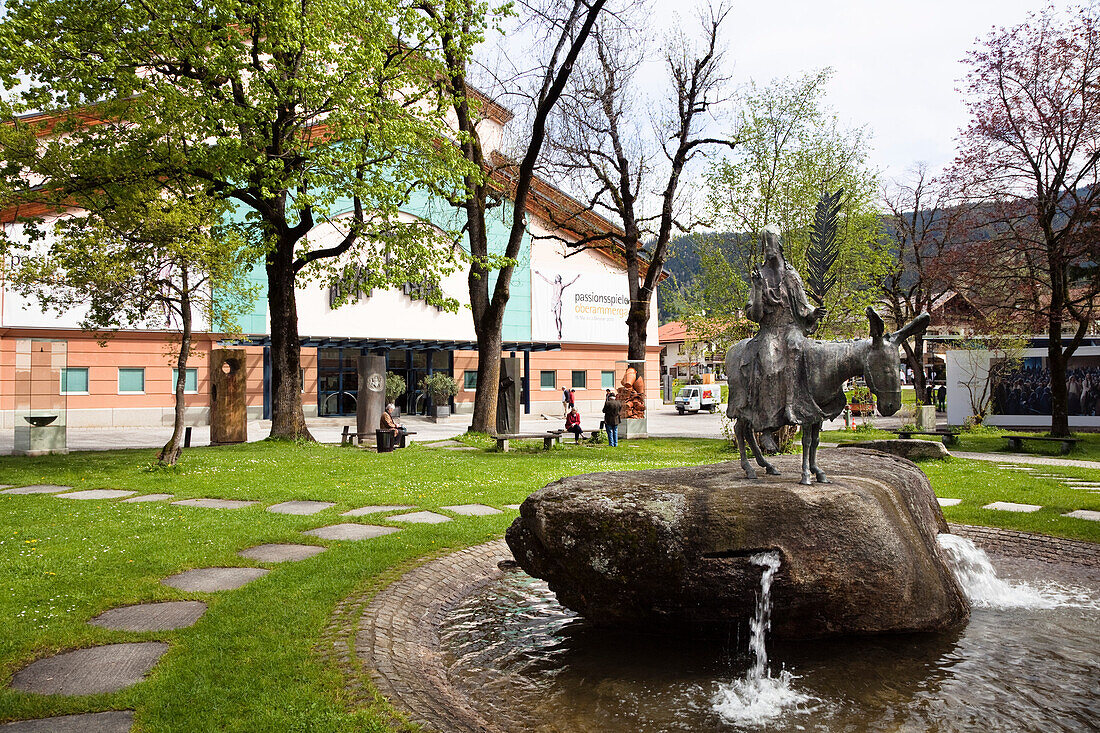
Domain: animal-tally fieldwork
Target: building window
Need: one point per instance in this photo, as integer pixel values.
(74, 380)
(190, 381)
(131, 381)
(607, 380)
(580, 379)
(469, 379)
(548, 380)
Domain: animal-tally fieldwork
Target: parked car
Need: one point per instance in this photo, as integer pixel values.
(696, 397)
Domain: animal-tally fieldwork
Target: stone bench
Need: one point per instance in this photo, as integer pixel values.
(548, 439)
(593, 432)
(1016, 442)
(949, 437)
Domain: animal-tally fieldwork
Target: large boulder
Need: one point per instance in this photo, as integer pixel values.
(914, 450)
(671, 547)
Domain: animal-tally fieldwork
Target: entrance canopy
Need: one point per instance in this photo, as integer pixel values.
(338, 342)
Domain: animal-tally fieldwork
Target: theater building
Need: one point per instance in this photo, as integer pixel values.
(565, 320)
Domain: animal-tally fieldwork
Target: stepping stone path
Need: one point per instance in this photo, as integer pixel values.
(90, 671)
(300, 507)
(419, 518)
(215, 503)
(512, 506)
(1084, 514)
(111, 721)
(96, 494)
(151, 616)
(1008, 506)
(38, 489)
(375, 510)
(471, 510)
(281, 553)
(210, 580)
(351, 531)
(148, 497)
(948, 502)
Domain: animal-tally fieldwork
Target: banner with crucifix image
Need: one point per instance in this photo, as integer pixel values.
(578, 307)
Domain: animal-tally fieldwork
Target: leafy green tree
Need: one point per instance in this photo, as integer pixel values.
(793, 151)
(144, 258)
(711, 305)
(294, 113)
(567, 24)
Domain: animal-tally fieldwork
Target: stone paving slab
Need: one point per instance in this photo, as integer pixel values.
(472, 510)
(37, 489)
(300, 507)
(948, 502)
(90, 671)
(1008, 506)
(419, 518)
(96, 494)
(512, 506)
(210, 580)
(375, 510)
(111, 721)
(350, 531)
(148, 497)
(281, 552)
(163, 616)
(1084, 514)
(215, 503)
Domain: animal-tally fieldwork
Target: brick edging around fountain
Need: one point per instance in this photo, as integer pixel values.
(1011, 543)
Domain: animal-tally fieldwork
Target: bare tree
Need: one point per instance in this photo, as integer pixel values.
(596, 140)
(927, 226)
(570, 24)
(1031, 156)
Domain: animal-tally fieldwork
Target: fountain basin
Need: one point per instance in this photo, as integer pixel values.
(670, 548)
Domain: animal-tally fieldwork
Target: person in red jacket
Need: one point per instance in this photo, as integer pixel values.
(573, 424)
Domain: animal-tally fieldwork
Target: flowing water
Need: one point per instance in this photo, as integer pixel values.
(1028, 660)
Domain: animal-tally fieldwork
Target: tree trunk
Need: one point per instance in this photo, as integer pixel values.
(287, 419)
(637, 323)
(172, 450)
(916, 363)
(1059, 394)
(489, 341)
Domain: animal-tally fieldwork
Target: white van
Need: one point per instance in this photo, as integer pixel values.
(697, 397)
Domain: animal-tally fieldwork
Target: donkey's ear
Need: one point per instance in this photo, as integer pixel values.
(914, 327)
(877, 326)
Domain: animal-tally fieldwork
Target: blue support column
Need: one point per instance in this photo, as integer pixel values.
(526, 383)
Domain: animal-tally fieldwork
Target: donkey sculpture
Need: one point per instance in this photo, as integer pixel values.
(876, 359)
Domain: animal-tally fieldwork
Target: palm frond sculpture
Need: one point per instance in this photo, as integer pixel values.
(823, 249)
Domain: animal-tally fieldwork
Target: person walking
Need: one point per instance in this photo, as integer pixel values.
(941, 398)
(611, 410)
(565, 401)
(573, 424)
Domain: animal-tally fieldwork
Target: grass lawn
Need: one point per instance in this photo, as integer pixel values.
(251, 662)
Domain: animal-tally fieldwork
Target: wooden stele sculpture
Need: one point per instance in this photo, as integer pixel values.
(371, 400)
(228, 414)
(508, 397)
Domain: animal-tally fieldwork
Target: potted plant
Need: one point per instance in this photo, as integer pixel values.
(395, 387)
(441, 388)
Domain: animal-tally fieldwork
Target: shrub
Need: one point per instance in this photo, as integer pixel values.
(441, 387)
(395, 386)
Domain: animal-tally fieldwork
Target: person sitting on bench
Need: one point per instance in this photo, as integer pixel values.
(573, 424)
(388, 424)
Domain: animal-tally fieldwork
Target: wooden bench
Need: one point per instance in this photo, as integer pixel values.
(1016, 442)
(548, 439)
(949, 437)
(347, 436)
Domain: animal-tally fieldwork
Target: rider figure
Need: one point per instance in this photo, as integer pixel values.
(771, 374)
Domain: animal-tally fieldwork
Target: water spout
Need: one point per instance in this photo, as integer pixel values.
(759, 697)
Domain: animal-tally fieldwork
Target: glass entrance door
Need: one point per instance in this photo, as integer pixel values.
(337, 381)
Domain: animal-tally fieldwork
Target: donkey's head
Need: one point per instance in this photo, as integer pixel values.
(882, 363)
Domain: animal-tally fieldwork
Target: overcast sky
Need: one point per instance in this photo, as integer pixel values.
(897, 64)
